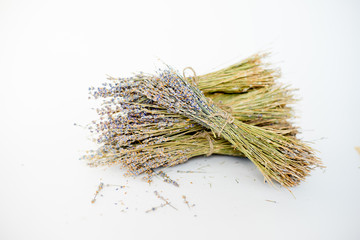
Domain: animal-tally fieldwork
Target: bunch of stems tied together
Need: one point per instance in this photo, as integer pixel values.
(157, 120)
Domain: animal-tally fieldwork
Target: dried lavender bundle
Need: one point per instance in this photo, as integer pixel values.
(135, 128)
(121, 124)
(275, 155)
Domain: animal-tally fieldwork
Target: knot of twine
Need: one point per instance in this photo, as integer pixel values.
(208, 137)
(194, 79)
(229, 118)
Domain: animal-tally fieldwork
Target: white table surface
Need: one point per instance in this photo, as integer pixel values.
(52, 51)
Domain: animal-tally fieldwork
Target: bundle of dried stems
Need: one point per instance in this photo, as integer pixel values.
(160, 120)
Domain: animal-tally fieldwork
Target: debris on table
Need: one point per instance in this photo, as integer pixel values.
(187, 202)
(167, 179)
(162, 198)
(161, 205)
(357, 149)
(100, 187)
(155, 208)
(179, 171)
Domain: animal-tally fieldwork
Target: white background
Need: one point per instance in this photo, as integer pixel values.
(51, 52)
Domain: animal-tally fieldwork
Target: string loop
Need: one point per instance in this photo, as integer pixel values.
(195, 79)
